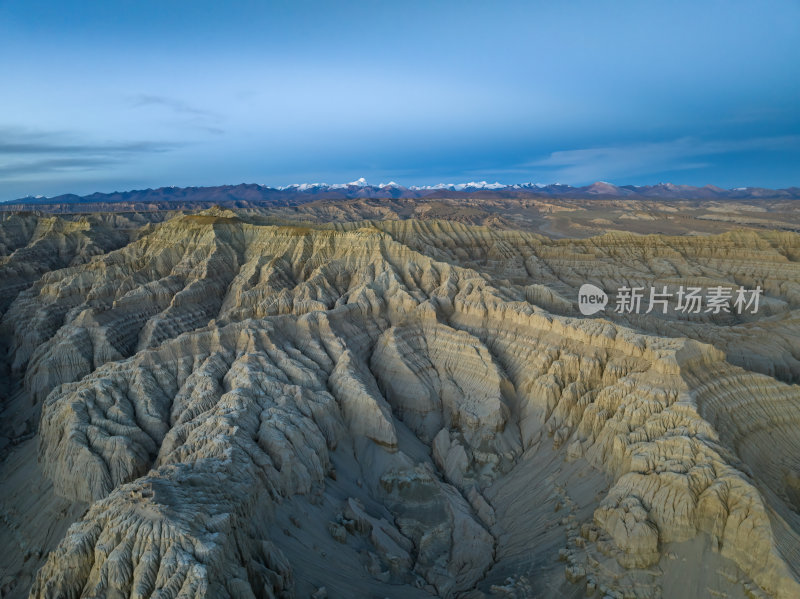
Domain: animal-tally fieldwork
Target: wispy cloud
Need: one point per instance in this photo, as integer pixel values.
(633, 160)
(24, 152)
(186, 113)
(50, 165)
(173, 104)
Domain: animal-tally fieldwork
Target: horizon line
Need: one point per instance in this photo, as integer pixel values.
(362, 182)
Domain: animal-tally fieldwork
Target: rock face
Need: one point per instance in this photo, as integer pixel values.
(32, 245)
(548, 273)
(386, 409)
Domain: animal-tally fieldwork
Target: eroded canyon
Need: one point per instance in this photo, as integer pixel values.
(231, 404)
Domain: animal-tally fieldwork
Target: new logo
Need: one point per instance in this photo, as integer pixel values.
(591, 299)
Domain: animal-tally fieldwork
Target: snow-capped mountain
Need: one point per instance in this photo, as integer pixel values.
(299, 193)
(471, 186)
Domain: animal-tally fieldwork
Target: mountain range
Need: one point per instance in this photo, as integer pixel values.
(302, 193)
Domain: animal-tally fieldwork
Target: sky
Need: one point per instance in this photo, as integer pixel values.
(106, 96)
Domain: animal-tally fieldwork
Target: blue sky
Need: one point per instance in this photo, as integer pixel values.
(103, 96)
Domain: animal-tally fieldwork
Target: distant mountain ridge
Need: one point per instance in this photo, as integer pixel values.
(301, 193)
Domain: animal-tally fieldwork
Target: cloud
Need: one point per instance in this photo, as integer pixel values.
(173, 104)
(625, 161)
(24, 152)
(50, 165)
(185, 112)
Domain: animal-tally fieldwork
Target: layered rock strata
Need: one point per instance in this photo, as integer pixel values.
(263, 411)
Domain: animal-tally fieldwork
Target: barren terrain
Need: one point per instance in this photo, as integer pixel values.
(398, 398)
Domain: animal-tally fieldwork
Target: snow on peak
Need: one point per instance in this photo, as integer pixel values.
(432, 187)
(302, 186)
(360, 182)
(485, 185)
(461, 186)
